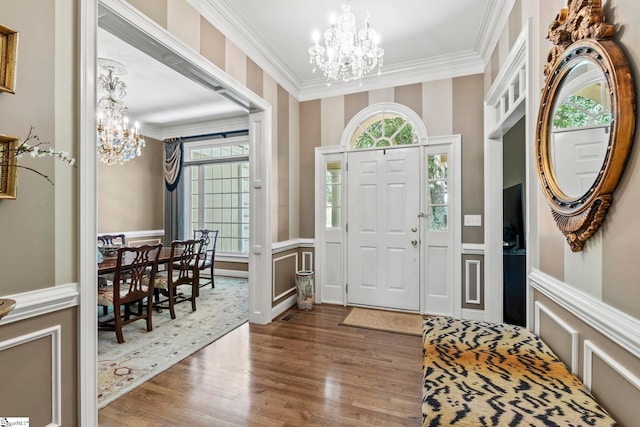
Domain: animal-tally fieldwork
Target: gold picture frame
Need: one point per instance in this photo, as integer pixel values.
(8, 59)
(8, 167)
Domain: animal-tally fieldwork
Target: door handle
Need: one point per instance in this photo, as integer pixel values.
(414, 242)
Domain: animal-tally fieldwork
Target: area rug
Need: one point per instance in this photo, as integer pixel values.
(143, 355)
(382, 320)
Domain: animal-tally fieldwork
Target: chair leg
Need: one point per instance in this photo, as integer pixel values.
(118, 323)
(172, 297)
(149, 311)
(213, 283)
(195, 287)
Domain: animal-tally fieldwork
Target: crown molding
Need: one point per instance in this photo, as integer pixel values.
(419, 71)
(204, 128)
(493, 22)
(223, 15)
(193, 129)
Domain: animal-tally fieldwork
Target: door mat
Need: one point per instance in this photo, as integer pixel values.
(382, 320)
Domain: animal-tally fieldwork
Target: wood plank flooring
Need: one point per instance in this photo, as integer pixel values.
(306, 371)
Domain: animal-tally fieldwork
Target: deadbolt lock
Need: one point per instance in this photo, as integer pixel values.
(414, 229)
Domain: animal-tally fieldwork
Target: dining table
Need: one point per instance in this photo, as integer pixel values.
(108, 264)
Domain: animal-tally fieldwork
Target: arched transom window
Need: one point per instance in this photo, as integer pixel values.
(384, 129)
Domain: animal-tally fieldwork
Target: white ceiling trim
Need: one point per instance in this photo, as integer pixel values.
(496, 17)
(195, 129)
(449, 66)
(205, 128)
(224, 16)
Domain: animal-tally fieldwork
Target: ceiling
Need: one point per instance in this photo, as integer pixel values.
(423, 40)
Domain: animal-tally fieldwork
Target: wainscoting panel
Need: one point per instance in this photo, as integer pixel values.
(15, 382)
(284, 275)
(574, 336)
(472, 281)
(604, 342)
(307, 260)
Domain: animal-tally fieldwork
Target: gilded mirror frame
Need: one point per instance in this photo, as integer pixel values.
(579, 33)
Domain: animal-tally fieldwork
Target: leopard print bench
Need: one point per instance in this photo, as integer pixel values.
(488, 374)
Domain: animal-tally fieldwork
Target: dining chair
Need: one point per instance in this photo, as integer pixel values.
(108, 240)
(207, 253)
(182, 271)
(133, 282)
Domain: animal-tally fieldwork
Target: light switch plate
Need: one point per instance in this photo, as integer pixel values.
(473, 220)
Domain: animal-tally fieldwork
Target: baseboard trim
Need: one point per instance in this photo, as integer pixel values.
(232, 273)
(471, 314)
(42, 301)
(283, 306)
(616, 325)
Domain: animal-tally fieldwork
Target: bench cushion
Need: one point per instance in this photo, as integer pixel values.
(488, 374)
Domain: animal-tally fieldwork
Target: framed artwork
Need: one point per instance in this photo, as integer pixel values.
(8, 59)
(8, 167)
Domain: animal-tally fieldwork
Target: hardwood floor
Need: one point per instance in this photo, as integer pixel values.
(306, 371)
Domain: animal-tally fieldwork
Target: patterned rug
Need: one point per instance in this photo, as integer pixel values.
(382, 320)
(143, 355)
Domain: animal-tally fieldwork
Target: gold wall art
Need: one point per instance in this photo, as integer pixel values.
(8, 167)
(8, 59)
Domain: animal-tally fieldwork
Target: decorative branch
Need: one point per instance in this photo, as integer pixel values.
(32, 145)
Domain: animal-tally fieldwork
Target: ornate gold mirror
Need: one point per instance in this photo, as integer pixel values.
(586, 120)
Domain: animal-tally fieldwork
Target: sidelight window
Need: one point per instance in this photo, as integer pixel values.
(438, 197)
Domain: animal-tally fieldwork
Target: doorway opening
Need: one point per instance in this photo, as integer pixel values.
(387, 215)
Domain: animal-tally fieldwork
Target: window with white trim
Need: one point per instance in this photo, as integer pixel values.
(217, 191)
(384, 130)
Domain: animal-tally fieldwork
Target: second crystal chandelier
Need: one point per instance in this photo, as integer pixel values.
(117, 141)
(347, 54)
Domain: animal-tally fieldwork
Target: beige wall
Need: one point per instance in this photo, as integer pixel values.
(468, 121)
(41, 224)
(131, 196)
(449, 106)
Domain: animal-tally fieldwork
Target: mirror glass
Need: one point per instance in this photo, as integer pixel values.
(580, 132)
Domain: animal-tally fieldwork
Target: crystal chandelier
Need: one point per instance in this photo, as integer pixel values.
(347, 54)
(117, 141)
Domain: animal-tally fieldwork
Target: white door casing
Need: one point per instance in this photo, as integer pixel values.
(383, 235)
(331, 242)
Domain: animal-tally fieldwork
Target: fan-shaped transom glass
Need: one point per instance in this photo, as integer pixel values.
(384, 130)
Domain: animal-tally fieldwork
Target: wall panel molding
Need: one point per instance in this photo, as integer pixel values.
(273, 279)
(589, 350)
(56, 365)
(42, 301)
(616, 325)
(575, 336)
(467, 282)
(307, 261)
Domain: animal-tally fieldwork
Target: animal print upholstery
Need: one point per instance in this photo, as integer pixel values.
(489, 374)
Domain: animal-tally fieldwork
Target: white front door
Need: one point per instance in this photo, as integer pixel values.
(383, 228)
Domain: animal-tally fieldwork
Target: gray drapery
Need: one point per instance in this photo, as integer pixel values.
(174, 193)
